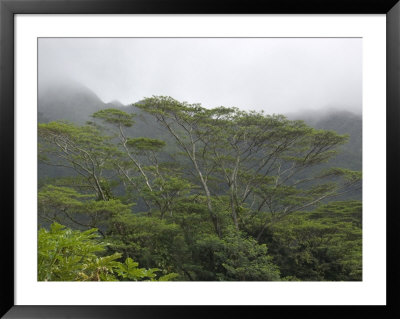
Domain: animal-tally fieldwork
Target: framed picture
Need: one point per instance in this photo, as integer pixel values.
(122, 169)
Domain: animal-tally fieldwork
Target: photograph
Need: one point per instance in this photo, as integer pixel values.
(199, 159)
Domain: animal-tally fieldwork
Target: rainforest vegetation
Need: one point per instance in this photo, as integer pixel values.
(200, 194)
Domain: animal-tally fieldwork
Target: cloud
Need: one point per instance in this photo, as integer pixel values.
(278, 75)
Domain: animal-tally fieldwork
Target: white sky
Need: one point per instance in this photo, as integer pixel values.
(278, 75)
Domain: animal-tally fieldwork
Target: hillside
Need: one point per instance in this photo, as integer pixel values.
(343, 122)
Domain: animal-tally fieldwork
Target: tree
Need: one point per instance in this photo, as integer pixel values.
(66, 205)
(257, 159)
(162, 185)
(183, 121)
(80, 148)
(234, 257)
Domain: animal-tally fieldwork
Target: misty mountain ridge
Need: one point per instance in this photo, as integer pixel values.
(67, 100)
(115, 104)
(60, 99)
(71, 101)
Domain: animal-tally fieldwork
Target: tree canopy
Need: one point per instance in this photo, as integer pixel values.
(220, 194)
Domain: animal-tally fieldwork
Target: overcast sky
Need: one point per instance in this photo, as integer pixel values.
(278, 75)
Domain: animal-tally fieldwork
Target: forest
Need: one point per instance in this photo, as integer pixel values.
(165, 190)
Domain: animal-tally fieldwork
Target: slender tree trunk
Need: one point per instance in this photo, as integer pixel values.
(233, 207)
(214, 218)
(233, 191)
(262, 231)
(99, 189)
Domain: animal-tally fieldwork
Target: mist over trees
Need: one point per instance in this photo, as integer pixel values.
(196, 194)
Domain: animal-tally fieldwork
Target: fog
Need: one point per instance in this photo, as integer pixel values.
(277, 75)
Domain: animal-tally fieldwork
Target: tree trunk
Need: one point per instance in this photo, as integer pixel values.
(261, 231)
(233, 207)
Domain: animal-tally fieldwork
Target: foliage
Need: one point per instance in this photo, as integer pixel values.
(202, 200)
(115, 116)
(234, 257)
(143, 144)
(151, 241)
(255, 158)
(325, 244)
(66, 205)
(82, 149)
(70, 255)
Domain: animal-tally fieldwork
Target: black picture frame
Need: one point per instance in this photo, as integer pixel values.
(8, 8)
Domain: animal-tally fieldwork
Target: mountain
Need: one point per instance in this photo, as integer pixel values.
(114, 104)
(67, 100)
(71, 101)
